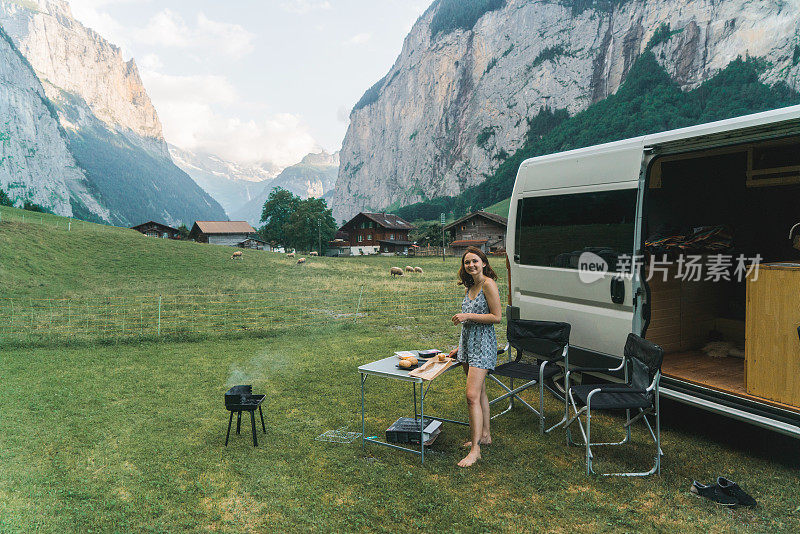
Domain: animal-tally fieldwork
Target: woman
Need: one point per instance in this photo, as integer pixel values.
(477, 348)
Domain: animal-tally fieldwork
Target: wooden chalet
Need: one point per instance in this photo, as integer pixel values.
(373, 233)
(255, 243)
(480, 229)
(154, 229)
(340, 245)
(229, 233)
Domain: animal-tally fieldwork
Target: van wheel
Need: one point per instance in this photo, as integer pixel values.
(555, 384)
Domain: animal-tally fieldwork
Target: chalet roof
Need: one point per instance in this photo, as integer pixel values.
(160, 225)
(468, 242)
(395, 242)
(225, 227)
(499, 219)
(389, 221)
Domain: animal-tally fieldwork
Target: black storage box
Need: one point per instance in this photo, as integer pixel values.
(406, 430)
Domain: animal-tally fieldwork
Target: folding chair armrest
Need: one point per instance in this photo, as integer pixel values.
(590, 369)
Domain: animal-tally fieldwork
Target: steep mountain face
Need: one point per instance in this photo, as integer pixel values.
(35, 162)
(107, 119)
(231, 184)
(315, 176)
(457, 101)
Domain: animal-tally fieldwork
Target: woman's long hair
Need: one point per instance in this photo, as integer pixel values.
(464, 278)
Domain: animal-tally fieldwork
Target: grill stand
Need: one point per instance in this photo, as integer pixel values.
(252, 423)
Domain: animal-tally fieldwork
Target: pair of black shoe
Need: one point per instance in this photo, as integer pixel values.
(725, 493)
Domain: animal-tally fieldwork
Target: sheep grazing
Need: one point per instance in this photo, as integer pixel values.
(409, 269)
(237, 255)
(290, 255)
(301, 261)
(313, 253)
(396, 271)
(418, 270)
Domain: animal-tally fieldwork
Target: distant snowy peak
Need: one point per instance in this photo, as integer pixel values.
(209, 163)
(315, 176)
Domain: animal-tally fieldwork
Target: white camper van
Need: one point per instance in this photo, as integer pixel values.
(688, 238)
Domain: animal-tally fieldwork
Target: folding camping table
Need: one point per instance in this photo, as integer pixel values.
(387, 368)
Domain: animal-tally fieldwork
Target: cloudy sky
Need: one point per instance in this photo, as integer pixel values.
(255, 80)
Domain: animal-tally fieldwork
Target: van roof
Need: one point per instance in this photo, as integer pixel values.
(787, 118)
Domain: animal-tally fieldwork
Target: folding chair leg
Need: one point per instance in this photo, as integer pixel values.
(589, 470)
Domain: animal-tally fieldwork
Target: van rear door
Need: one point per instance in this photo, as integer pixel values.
(570, 243)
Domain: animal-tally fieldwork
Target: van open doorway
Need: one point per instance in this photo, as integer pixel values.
(712, 220)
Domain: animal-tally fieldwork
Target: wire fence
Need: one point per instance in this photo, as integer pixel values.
(34, 321)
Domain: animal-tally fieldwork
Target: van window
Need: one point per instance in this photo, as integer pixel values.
(553, 231)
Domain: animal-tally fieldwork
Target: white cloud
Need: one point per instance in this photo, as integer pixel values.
(195, 115)
(168, 29)
(150, 62)
(301, 7)
(359, 38)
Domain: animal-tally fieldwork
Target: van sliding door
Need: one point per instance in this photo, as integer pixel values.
(570, 245)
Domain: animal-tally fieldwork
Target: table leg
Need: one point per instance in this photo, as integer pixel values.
(421, 418)
(363, 379)
(414, 388)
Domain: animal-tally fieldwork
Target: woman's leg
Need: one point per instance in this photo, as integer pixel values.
(475, 379)
(486, 436)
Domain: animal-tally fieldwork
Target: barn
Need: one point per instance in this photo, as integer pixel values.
(229, 233)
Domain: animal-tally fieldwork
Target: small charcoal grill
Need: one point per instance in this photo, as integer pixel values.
(240, 399)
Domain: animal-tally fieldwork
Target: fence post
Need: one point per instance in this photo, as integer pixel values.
(159, 315)
(358, 306)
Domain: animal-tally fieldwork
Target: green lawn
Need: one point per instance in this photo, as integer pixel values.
(128, 436)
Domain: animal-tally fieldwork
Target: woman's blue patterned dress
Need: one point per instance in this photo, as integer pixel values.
(478, 344)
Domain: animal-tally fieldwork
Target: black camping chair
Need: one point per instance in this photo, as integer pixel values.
(638, 392)
(539, 345)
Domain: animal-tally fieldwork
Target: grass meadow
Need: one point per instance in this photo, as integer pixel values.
(126, 434)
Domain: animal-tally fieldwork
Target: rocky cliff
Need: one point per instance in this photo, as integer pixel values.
(110, 126)
(315, 176)
(457, 100)
(35, 162)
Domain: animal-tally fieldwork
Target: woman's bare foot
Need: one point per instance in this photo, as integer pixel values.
(486, 439)
(473, 456)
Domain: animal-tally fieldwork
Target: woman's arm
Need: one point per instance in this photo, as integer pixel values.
(494, 316)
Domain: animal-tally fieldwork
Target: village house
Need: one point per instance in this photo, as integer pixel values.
(255, 243)
(229, 233)
(373, 233)
(481, 229)
(340, 245)
(154, 229)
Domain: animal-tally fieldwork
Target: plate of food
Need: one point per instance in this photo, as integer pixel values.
(409, 362)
